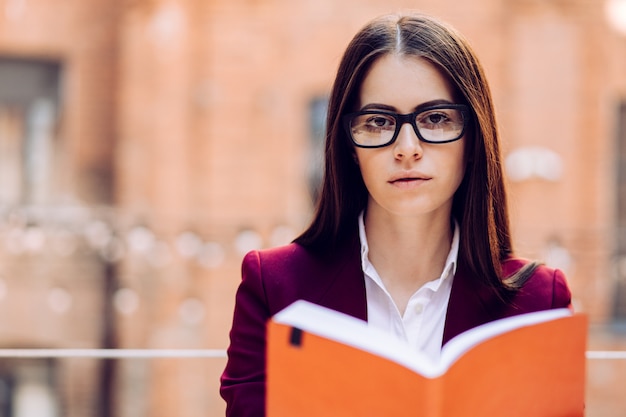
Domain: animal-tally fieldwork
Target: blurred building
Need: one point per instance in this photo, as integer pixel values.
(145, 145)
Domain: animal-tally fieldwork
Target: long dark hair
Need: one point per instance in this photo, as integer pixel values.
(479, 204)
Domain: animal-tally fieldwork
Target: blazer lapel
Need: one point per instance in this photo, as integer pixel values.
(471, 304)
(346, 290)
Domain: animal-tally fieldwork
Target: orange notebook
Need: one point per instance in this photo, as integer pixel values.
(322, 363)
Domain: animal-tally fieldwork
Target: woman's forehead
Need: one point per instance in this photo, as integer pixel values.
(404, 82)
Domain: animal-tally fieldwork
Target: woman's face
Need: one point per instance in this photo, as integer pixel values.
(409, 177)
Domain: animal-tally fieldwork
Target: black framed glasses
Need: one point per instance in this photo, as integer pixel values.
(441, 123)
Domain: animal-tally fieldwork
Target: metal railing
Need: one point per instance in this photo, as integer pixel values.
(143, 372)
(189, 353)
(113, 353)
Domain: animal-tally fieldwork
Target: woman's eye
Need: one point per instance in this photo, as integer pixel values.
(380, 122)
(435, 118)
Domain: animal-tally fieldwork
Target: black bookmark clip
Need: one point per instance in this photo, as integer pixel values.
(295, 338)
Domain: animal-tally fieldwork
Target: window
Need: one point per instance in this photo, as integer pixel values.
(318, 108)
(26, 389)
(28, 120)
(620, 290)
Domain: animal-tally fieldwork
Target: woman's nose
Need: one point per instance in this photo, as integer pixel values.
(407, 144)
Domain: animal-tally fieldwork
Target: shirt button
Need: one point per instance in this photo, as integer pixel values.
(419, 308)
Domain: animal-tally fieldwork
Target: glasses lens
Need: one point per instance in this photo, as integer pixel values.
(440, 125)
(372, 129)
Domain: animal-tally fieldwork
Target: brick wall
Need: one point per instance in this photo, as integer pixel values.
(191, 116)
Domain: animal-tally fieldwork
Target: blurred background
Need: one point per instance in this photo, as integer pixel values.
(146, 145)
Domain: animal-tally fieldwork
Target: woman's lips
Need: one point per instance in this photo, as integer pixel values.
(407, 182)
(408, 177)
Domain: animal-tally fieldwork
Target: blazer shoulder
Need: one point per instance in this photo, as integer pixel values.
(275, 270)
(283, 265)
(278, 257)
(545, 289)
(291, 272)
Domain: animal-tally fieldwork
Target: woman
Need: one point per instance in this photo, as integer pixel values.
(411, 232)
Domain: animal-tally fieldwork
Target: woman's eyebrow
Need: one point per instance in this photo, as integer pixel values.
(378, 106)
(387, 107)
(432, 103)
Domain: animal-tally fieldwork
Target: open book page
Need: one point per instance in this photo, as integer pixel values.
(336, 366)
(350, 331)
(462, 343)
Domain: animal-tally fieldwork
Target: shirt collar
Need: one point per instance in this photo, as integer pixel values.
(451, 261)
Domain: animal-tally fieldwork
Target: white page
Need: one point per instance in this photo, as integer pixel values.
(351, 331)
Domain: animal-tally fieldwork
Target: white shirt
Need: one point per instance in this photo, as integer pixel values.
(424, 318)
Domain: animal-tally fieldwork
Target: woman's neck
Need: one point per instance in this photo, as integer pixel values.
(407, 252)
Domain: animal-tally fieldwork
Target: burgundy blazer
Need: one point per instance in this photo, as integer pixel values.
(274, 278)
